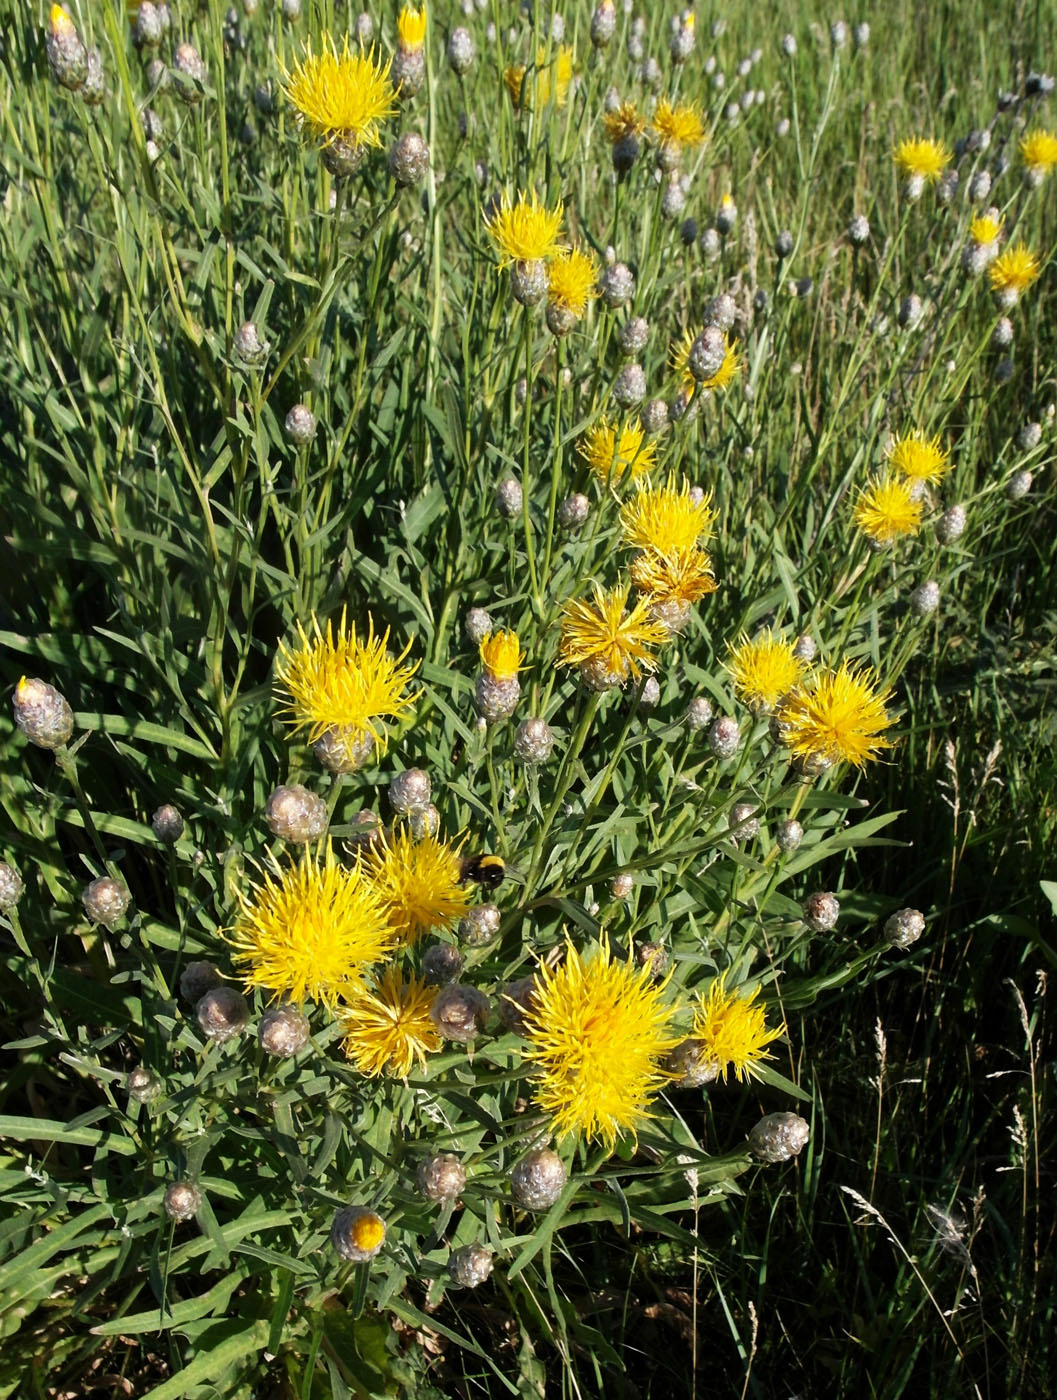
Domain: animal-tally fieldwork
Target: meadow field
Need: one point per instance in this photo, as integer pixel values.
(527, 781)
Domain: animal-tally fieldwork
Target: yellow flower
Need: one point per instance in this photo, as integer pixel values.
(1038, 150)
(732, 1031)
(571, 280)
(1014, 270)
(501, 655)
(418, 881)
(985, 228)
(888, 509)
(341, 96)
(387, 1025)
(60, 23)
(678, 125)
(839, 716)
(764, 670)
(548, 79)
(311, 930)
(680, 362)
(526, 231)
(922, 157)
(678, 576)
(344, 683)
(597, 1030)
(605, 641)
(919, 458)
(411, 28)
(664, 519)
(624, 122)
(610, 454)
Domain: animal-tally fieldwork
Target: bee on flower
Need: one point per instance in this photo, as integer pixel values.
(1038, 151)
(921, 161)
(341, 99)
(607, 642)
(1012, 273)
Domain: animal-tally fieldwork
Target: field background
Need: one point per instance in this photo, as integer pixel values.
(159, 536)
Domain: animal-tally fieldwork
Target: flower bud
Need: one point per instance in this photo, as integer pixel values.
(294, 814)
(300, 425)
(187, 63)
(409, 790)
(408, 159)
(441, 1178)
(457, 1011)
(744, 823)
(720, 313)
(621, 886)
(441, 963)
(859, 230)
(423, 821)
(461, 51)
(479, 925)
(692, 1065)
(222, 1014)
(364, 28)
(283, 1032)
(629, 387)
(508, 498)
(143, 1086)
(1018, 486)
(42, 713)
(724, 737)
(925, 599)
(182, 1200)
(408, 71)
(616, 285)
(248, 346)
(357, 1233)
(518, 998)
(779, 1137)
(1029, 437)
(789, 835)
(533, 741)
(477, 625)
(654, 416)
(821, 912)
(469, 1266)
(707, 353)
(342, 158)
(951, 525)
(528, 281)
(538, 1179)
(67, 56)
(634, 334)
(167, 824)
(904, 927)
(698, 713)
(573, 511)
(93, 90)
(655, 956)
(11, 887)
(105, 901)
(649, 695)
(196, 979)
(344, 749)
(496, 697)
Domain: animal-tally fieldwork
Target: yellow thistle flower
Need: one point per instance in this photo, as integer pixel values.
(341, 96)
(60, 23)
(501, 655)
(548, 79)
(387, 1025)
(338, 681)
(664, 519)
(919, 458)
(922, 157)
(605, 640)
(839, 716)
(571, 279)
(526, 231)
(597, 1030)
(732, 1031)
(411, 28)
(624, 122)
(985, 228)
(1038, 151)
(888, 509)
(610, 453)
(679, 576)
(418, 881)
(311, 930)
(1014, 270)
(679, 124)
(680, 362)
(764, 670)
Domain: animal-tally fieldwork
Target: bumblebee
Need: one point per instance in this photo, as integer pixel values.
(486, 870)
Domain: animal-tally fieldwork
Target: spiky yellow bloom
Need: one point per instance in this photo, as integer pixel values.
(984, 229)
(418, 881)
(888, 509)
(764, 669)
(310, 931)
(732, 1031)
(610, 452)
(919, 458)
(526, 231)
(840, 716)
(604, 637)
(60, 23)
(341, 96)
(411, 28)
(501, 655)
(339, 681)
(1038, 151)
(678, 576)
(1014, 270)
(680, 362)
(548, 79)
(922, 157)
(571, 279)
(678, 124)
(597, 1030)
(664, 518)
(387, 1025)
(624, 122)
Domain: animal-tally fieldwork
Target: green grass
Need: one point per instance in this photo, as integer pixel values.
(161, 537)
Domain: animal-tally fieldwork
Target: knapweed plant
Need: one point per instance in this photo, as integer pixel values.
(475, 491)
